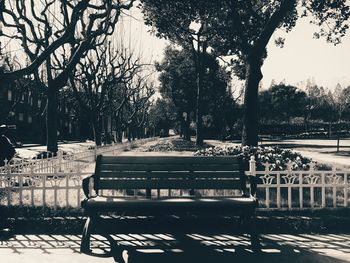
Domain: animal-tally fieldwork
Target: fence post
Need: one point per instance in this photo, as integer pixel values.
(60, 157)
(252, 170)
(252, 166)
(55, 176)
(31, 178)
(9, 183)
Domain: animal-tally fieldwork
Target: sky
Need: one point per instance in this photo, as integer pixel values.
(304, 57)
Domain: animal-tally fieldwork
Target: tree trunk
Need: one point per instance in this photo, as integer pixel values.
(119, 132)
(306, 123)
(119, 136)
(338, 136)
(52, 118)
(250, 110)
(338, 143)
(182, 127)
(199, 82)
(199, 120)
(187, 130)
(96, 128)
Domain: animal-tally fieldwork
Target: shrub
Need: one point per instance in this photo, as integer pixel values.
(277, 158)
(174, 144)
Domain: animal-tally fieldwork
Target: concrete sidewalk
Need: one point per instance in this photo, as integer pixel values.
(322, 151)
(169, 247)
(29, 152)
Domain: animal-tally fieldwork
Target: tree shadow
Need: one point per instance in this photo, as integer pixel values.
(340, 153)
(306, 146)
(192, 247)
(182, 247)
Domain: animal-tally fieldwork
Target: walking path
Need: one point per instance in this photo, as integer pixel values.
(323, 151)
(185, 247)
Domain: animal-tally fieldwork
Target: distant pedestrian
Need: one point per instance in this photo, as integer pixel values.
(7, 151)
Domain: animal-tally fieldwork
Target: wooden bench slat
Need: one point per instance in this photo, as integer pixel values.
(161, 174)
(168, 167)
(170, 184)
(170, 159)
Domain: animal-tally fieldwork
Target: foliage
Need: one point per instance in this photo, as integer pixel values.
(277, 158)
(162, 115)
(178, 84)
(319, 104)
(177, 80)
(281, 103)
(340, 102)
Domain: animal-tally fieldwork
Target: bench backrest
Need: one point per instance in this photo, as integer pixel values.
(169, 172)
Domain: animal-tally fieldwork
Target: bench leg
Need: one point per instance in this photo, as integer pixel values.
(254, 233)
(85, 240)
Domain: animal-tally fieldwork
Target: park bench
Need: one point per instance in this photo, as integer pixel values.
(157, 174)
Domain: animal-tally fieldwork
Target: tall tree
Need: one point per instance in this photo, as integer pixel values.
(135, 114)
(243, 29)
(183, 23)
(55, 35)
(97, 78)
(162, 116)
(341, 101)
(178, 83)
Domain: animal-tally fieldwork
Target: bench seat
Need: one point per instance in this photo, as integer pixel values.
(138, 205)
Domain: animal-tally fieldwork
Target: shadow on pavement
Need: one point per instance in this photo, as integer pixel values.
(193, 247)
(345, 154)
(306, 146)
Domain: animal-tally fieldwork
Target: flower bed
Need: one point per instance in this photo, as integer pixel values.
(174, 144)
(277, 158)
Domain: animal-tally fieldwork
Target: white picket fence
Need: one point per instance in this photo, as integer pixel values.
(67, 162)
(310, 189)
(54, 181)
(57, 183)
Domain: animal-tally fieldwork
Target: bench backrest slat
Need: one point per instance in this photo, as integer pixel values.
(169, 159)
(168, 167)
(168, 172)
(170, 184)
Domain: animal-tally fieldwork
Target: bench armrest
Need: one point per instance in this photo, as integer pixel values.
(86, 186)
